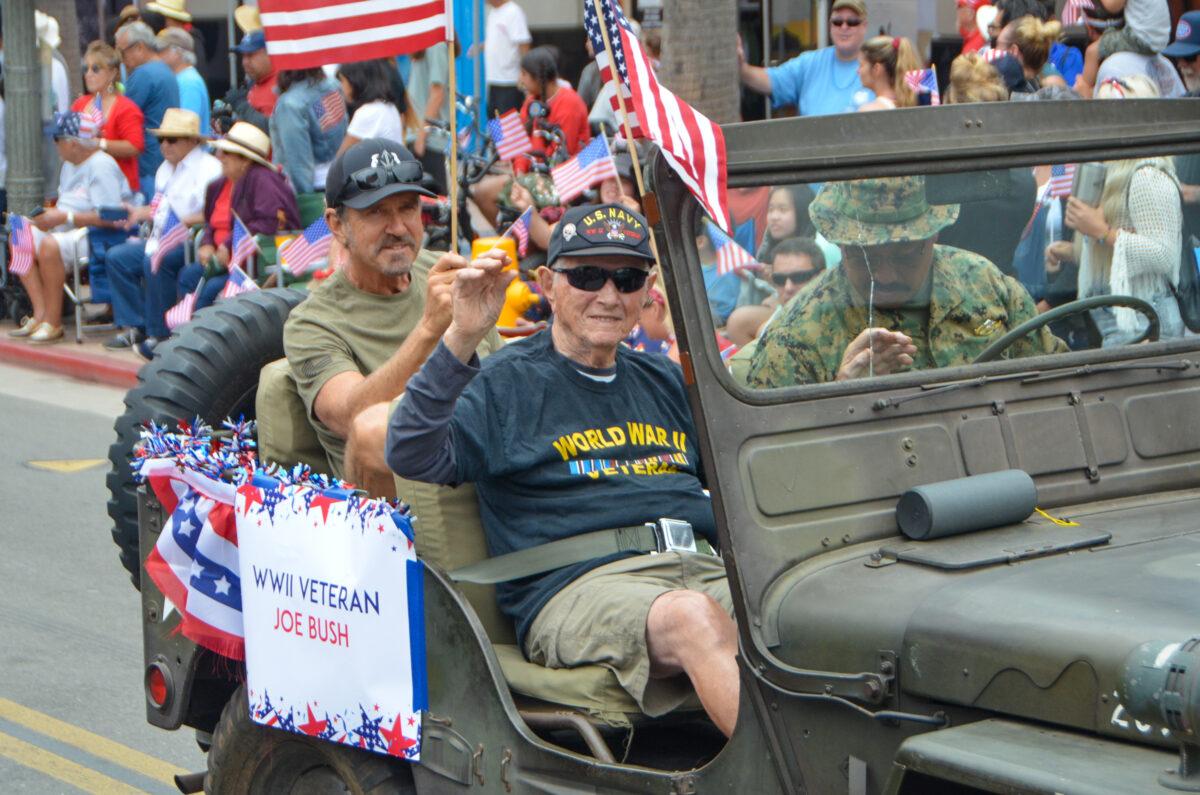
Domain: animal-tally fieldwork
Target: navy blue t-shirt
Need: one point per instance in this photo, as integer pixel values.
(554, 453)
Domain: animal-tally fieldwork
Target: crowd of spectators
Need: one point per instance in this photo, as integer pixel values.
(148, 109)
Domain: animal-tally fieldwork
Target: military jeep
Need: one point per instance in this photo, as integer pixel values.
(1050, 654)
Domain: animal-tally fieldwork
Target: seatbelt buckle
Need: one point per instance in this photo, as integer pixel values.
(673, 535)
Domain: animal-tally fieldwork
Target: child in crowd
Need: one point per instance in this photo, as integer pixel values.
(1147, 31)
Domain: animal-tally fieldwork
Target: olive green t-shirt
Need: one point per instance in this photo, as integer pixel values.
(340, 328)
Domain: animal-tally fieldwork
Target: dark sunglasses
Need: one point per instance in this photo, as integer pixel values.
(795, 277)
(389, 174)
(590, 278)
(162, 141)
(846, 22)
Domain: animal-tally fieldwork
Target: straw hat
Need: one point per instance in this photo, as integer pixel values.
(129, 12)
(175, 9)
(248, 141)
(178, 123)
(247, 18)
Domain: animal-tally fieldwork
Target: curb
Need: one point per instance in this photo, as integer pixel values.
(79, 365)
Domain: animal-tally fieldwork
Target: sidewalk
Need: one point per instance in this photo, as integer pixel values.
(86, 362)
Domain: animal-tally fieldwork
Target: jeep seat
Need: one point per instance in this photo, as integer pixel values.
(449, 535)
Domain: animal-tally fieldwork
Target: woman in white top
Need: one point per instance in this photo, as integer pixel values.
(1132, 243)
(376, 98)
(882, 64)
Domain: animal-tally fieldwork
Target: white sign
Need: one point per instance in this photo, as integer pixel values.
(333, 615)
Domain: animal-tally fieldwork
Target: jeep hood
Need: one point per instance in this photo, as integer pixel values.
(1043, 638)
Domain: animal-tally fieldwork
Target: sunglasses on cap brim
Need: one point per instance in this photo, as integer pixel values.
(375, 177)
(591, 278)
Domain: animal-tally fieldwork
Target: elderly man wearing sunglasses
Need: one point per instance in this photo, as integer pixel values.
(596, 467)
(354, 343)
(819, 82)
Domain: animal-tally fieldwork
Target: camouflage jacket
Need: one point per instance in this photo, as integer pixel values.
(971, 304)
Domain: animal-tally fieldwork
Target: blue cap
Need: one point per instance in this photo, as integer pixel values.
(253, 41)
(1187, 37)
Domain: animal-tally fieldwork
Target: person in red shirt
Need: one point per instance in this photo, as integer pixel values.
(973, 38)
(539, 80)
(121, 132)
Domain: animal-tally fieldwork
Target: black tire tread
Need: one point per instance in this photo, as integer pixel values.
(201, 371)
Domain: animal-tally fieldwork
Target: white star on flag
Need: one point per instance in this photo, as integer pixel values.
(222, 585)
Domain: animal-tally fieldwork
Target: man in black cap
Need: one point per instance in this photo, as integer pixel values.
(607, 457)
(366, 329)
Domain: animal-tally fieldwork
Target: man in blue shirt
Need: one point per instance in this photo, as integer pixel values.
(824, 81)
(179, 54)
(151, 86)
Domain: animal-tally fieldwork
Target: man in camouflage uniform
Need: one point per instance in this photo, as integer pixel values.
(934, 306)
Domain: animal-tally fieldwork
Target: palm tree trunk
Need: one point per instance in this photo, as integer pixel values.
(699, 55)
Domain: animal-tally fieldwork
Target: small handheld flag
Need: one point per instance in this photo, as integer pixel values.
(243, 243)
(519, 230)
(172, 235)
(924, 81)
(237, 283)
(309, 248)
(182, 312)
(508, 133)
(590, 165)
(1062, 179)
(731, 258)
(20, 241)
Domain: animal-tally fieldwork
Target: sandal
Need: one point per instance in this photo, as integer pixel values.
(46, 333)
(27, 327)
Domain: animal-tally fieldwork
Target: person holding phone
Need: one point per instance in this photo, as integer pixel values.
(90, 179)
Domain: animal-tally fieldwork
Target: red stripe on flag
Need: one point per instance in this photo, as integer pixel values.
(335, 25)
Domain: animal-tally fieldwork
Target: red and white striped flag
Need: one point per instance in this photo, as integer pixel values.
(311, 247)
(302, 34)
(731, 258)
(172, 235)
(1075, 10)
(691, 144)
(1062, 179)
(330, 109)
(591, 164)
(244, 244)
(20, 241)
(519, 231)
(181, 313)
(508, 133)
(924, 81)
(237, 283)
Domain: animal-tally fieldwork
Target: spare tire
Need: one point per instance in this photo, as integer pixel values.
(209, 370)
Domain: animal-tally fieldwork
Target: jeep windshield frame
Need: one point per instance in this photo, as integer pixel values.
(942, 140)
(803, 477)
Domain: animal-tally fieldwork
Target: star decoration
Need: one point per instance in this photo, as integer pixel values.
(314, 726)
(323, 501)
(252, 494)
(222, 585)
(395, 738)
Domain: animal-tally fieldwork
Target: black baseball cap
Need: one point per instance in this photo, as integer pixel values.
(372, 169)
(600, 230)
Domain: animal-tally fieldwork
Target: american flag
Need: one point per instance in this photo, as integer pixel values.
(330, 110)
(77, 125)
(172, 235)
(591, 164)
(309, 248)
(509, 135)
(691, 144)
(731, 258)
(992, 54)
(1062, 177)
(520, 231)
(1075, 10)
(238, 283)
(182, 312)
(302, 34)
(243, 243)
(20, 241)
(924, 81)
(195, 561)
(95, 113)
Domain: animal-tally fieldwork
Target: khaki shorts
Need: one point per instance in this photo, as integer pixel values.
(600, 619)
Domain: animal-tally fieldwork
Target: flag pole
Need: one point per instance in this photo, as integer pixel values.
(453, 105)
(637, 166)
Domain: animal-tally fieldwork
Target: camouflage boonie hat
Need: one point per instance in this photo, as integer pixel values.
(872, 212)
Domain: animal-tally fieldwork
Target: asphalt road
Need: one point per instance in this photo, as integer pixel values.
(72, 714)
